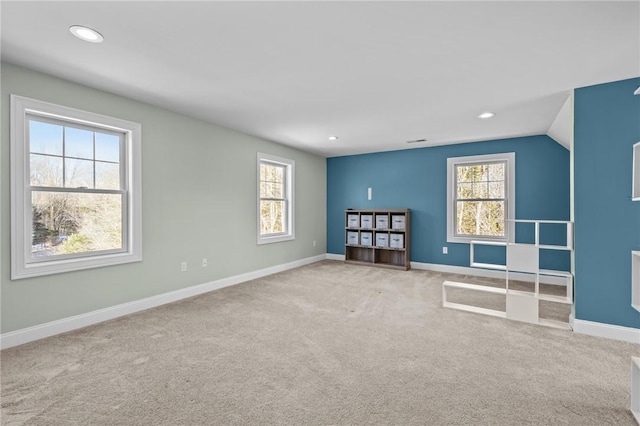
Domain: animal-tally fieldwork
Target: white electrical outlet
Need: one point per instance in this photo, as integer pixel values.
(183, 266)
(369, 194)
(204, 262)
(314, 243)
(445, 250)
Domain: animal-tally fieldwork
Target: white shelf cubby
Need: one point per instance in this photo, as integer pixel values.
(522, 260)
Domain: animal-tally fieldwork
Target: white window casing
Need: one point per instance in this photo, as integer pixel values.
(283, 194)
(23, 263)
(509, 160)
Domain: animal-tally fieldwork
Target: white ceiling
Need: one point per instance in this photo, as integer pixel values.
(377, 74)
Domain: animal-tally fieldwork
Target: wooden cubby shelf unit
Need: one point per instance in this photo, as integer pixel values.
(379, 237)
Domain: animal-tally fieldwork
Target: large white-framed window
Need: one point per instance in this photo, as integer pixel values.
(76, 189)
(480, 197)
(275, 199)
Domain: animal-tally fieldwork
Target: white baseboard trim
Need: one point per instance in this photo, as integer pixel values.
(29, 334)
(486, 273)
(599, 329)
(331, 256)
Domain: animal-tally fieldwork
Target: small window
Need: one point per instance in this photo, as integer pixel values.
(480, 197)
(275, 199)
(76, 189)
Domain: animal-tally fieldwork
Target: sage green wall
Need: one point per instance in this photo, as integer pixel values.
(199, 200)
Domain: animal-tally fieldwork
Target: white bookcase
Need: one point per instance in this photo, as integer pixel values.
(635, 283)
(521, 259)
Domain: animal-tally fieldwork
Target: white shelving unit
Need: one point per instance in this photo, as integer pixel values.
(635, 387)
(635, 283)
(521, 258)
(635, 280)
(635, 184)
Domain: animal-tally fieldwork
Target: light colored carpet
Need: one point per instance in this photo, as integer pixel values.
(326, 344)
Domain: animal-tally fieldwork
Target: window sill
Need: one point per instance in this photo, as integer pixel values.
(275, 239)
(69, 265)
(467, 240)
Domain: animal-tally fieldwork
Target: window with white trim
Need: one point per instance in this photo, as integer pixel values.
(275, 199)
(480, 197)
(76, 181)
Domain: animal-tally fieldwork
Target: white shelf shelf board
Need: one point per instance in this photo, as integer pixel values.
(489, 266)
(474, 309)
(554, 298)
(489, 243)
(635, 280)
(635, 179)
(554, 247)
(635, 387)
(476, 287)
(555, 273)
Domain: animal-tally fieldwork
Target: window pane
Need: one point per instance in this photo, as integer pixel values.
(480, 190)
(268, 190)
(107, 147)
(271, 190)
(65, 223)
(271, 173)
(272, 217)
(464, 190)
(45, 138)
(484, 218)
(278, 174)
(272, 181)
(496, 171)
(473, 173)
(107, 175)
(78, 143)
(496, 189)
(263, 171)
(78, 173)
(463, 174)
(45, 170)
(278, 190)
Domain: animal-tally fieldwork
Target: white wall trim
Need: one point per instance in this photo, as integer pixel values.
(29, 334)
(599, 329)
(486, 273)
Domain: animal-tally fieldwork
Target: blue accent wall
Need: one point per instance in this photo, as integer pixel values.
(417, 179)
(607, 222)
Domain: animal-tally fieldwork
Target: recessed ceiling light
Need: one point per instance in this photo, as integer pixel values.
(333, 138)
(86, 34)
(487, 114)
